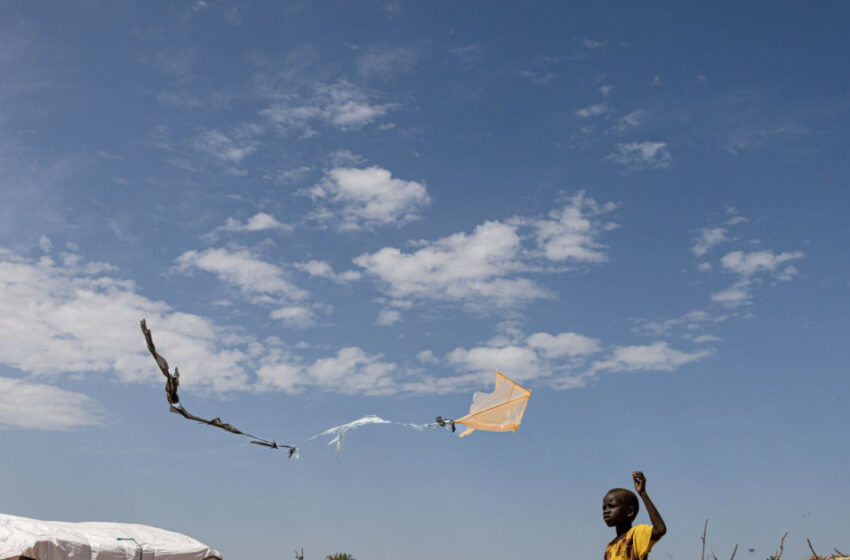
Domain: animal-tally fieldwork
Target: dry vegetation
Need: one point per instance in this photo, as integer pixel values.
(836, 555)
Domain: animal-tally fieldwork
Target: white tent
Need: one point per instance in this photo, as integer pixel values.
(30, 539)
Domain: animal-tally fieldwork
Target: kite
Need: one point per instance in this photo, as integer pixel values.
(499, 411)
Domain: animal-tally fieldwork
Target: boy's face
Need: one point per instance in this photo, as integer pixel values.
(614, 511)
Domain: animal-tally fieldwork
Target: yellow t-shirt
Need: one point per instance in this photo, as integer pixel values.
(634, 545)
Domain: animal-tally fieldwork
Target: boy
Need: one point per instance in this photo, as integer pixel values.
(619, 509)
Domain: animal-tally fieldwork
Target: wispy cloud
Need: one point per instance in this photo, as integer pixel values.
(38, 406)
(658, 356)
(260, 221)
(340, 105)
(241, 268)
(707, 238)
(323, 269)
(592, 111)
(384, 62)
(642, 155)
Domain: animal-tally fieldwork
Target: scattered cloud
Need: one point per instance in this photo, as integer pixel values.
(484, 268)
(242, 269)
(460, 268)
(658, 356)
(592, 111)
(747, 264)
(707, 238)
(178, 99)
(298, 316)
(352, 198)
(590, 43)
(388, 317)
(570, 233)
(323, 269)
(628, 122)
(258, 222)
(226, 149)
(467, 53)
(74, 318)
(563, 344)
(37, 406)
(606, 90)
(176, 62)
(384, 62)
(642, 155)
(736, 295)
(340, 105)
(350, 371)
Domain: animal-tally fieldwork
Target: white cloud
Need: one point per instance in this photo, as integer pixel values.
(294, 316)
(340, 105)
(427, 357)
(353, 371)
(606, 90)
(592, 111)
(518, 362)
(462, 267)
(642, 155)
(747, 264)
(323, 269)
(627, 122)
(563, 344)
(45, 244)
(590, 43)
(258, 222)
(388, 317)
(736, 295)
(650, 357)
(37, 406)
(484, 268)
(241, 269)
(224, 148)
(367, 197)
(571, 232)
(708, 238)
(706, 339)
(61, 319)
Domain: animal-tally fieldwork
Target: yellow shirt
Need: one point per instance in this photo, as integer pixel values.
(634, 545)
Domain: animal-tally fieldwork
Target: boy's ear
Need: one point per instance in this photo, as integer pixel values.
(630, 511)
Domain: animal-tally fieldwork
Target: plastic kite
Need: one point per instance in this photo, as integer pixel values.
(499, 411)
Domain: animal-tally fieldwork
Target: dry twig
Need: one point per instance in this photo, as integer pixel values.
(704, 529)
(733, 553)
(778, 554)
(814, 554)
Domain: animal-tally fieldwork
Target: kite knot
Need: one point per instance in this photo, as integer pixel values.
(447, 421)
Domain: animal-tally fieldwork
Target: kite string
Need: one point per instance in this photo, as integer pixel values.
(172, 382)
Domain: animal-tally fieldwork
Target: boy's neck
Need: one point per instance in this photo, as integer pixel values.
(623, 529)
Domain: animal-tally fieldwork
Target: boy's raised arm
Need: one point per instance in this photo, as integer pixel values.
(659, 529)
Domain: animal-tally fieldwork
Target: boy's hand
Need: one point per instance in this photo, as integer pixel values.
(640, 482)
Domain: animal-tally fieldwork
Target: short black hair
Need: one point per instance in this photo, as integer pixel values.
(628, 497)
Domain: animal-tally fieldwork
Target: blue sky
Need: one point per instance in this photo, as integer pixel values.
(331, 209)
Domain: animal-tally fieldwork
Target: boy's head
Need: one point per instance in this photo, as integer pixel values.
(619, 507)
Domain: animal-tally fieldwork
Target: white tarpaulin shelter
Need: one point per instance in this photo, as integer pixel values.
(22, 539)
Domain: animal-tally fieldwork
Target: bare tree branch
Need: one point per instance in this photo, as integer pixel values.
(172, 382)
(778, 554)
(704, 530)
(733, 552)
(814, 554)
